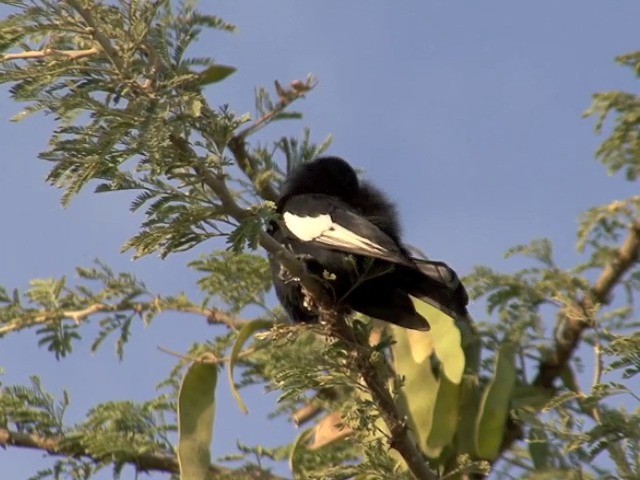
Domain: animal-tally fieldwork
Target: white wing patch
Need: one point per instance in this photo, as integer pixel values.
(307, 228)
(323, 230)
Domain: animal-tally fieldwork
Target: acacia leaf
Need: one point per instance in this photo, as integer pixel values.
(214, 74)
(495, 404)
(196, 411)
(243, 335)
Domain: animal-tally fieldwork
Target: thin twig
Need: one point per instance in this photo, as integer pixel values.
(49, 52)
(41, 317)
(213, 360)
(237, 144)
(142, 462)
(218, 185)
(287, 97)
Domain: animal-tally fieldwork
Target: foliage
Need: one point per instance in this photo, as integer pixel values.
(131, 115)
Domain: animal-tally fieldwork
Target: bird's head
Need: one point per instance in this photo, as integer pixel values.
(327, 175)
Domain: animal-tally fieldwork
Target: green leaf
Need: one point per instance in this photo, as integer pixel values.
(432, 404)
(530, 398)
(214, 74)
(412, 360)
(494, 407)
(446, 339)
(445, 414)
(243, 335)
(238, 280)
(196, 409)
(539, 448)
(288, 116)
(298, 448)
(468, 413)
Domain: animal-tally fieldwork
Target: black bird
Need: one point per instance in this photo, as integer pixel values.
(347, 232)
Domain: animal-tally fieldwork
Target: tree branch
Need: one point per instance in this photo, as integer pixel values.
(41, 317)
(237, 144)
(400, 438)
(568, 339)
(287, 97)
(102, 40)
(219, 187)
(143, 462)
(248, 166)
(69, 54)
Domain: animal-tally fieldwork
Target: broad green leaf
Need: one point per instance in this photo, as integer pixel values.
(420, 345)
(539, 448)
(297, 449)
(530, 398)
(214, 74)
(243, 335)
(446, 339)
(418, 395)
(445, 414)
(196, 410)
(494, 407)
(469, 405)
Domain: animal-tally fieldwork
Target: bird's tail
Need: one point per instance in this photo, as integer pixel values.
(438, 284)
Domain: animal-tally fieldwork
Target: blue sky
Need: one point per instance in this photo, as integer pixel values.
(467, 114)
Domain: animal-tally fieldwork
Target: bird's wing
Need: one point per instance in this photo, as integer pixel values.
(326, 221)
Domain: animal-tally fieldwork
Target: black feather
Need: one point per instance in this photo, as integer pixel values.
(347, 232)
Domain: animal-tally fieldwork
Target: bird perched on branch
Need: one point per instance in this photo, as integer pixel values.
(347, 233)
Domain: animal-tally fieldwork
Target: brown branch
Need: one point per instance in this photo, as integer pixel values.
(69, 54)
(400, 437)
(568, 339)
(143, 462)
(247, 164)
(213, 316)
(311, 410)
(306, 414)
(219, 187)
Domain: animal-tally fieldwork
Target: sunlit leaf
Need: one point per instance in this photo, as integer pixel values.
(445, 338)
(494, 408)
(297, 449)
(243, 335)
(445, 414)
(418, 395)
(469, 404)
(539, 448)
(196, 410)
(214, 74)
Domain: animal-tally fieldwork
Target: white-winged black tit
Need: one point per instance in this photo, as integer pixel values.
(347, 232)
